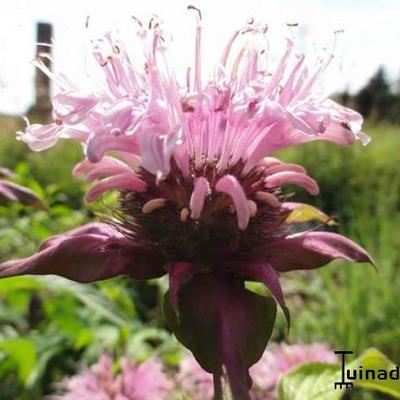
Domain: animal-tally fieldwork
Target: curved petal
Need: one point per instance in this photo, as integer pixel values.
(40, 137)
(284, 167)
(87, 257)
(126, 181)
(259, 148)
(157, 148)
(283, 134)
(104, 140)
(106, 167)
(73, 106)
(200, 192)
(80, 132)
(270, 162)
(341, 133)
(309, 119)
(311, 250)
(231, 186)
(120, 115)
(6, 173)
(178, 274)
(262, 272)
(94, 228)
(294, 178)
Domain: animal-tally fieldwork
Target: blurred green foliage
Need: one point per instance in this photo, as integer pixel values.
(50, 326)
(352, 306)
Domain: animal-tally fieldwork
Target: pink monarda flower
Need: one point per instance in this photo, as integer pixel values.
(11, 192)
(193, 381)
(197, 384)
(199, 194)
(145, 381)
(279, 359)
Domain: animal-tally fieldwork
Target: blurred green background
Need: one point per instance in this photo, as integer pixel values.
(49, 327)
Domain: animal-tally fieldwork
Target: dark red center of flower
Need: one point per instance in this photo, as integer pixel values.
(215, 234)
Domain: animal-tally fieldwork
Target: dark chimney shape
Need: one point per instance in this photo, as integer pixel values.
(42, 106)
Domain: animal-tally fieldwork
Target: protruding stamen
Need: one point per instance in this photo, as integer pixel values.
(252, 208)
(200, 192)
(236, 63)
(197, 62)
(137, 20)
(228, 47)
(232, 187)
(130, 196)
(190, 7)
(184, 214)
(268, 199)
(153, 204)
(269, 162)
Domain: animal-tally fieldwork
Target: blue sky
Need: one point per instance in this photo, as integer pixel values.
(371, 33)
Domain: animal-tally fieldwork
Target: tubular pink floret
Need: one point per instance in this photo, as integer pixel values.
(270, 161)
(268, 198)
(72, 107)
(252, 208)
(294, 178)
(214, 134)
(243, 118)
(283, 167)
(107, 167)
(125, 181)
(231, 186)
(200, 192)
(103, 141)
(184, 214)
(153, 204)
(40, 137)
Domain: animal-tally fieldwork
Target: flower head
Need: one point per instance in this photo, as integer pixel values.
(145, 381)
(199, 193)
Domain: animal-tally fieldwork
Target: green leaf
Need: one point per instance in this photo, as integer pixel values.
(375, 360)
(83, 338)
(46, 348)
(8, 285)
(224, 325)
(90, 296)
(23, 354)
(138, 344)
(315, 381)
